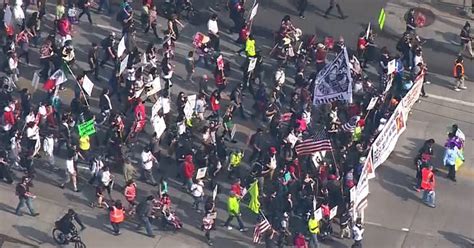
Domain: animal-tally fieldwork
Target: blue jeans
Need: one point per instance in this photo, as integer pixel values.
(313, 242)
(429, 197)
(22, 203)
(144, 220)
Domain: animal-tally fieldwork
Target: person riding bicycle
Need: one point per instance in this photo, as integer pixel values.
(65, 224)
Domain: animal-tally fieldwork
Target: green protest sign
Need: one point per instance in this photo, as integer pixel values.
(87, 128)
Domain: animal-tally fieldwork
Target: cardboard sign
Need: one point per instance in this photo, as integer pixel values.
(214, 193)
(189, 107)
(87, 128)
(201, 173)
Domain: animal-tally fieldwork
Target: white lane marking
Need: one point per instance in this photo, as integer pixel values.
(448, 99)
(405, 229)
(108, 27)
(372, 223)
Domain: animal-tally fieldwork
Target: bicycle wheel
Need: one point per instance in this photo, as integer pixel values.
(79, 244)
(59, 236)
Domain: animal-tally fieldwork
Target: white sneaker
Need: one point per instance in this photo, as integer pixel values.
(427, 82)
(457, 89)
(463, 87)
(229, 228)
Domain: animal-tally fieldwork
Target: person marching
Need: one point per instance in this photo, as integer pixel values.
(428, 185)
(357, 232)
(458, 73)
(313, 227)
(116, 215)
(466, 39)
(449, 160)
(233, 208)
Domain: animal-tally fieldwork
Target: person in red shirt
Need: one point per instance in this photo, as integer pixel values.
(189, 169)
(9, 119)
(215, 104)
(130, 193)
(140, 117)
(236, 188)
(300, 241)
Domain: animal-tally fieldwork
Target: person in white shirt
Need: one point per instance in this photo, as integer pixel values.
(71, 174)
(357, 232)
(197, 191)
(15, 149)
(48, 148)
(32, 133)
(213, 31)
(147, 163)
(106, 179)
(95, 167)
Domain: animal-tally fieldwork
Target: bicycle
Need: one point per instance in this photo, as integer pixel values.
(63, 239)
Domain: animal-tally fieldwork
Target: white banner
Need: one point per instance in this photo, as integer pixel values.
(387, 139)
(334, 81)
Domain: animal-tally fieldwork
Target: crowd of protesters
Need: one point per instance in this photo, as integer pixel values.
(289, 182)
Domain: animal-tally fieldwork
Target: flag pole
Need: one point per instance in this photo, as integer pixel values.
(77, 82)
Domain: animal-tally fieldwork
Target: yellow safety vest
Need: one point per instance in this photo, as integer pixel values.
(250, 48)
(313, 226)
(84, 143)
(235, 158)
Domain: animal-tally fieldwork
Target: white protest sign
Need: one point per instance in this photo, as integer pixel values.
(333, 212)
(372, 103)
(87, 85)
(123, 65)
(253, 13)
(189, 107)
(155, 87)
(201, 173)
(318, 214)
(159, 125)
(121, 47)
(214, 193)
(252, 64)
(392, 66)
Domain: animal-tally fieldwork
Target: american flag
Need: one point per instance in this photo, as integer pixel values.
(260, 229)
(320, 142)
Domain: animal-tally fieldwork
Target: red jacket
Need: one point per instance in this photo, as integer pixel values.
(188, 167)
(214, 103)
(9, 117)
(300, 241)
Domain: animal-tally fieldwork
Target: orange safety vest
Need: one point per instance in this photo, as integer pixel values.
(427, 179)
(116, 215)
(455, 71)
